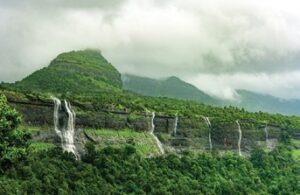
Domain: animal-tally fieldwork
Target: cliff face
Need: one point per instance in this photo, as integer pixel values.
(100, 102)
(192, 133)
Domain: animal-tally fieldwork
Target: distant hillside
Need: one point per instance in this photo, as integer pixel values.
(75, 72)
(171, 87)
(256, 102)
(89, 73)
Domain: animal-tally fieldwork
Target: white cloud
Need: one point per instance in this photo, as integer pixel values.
(222, 41)
(282, 84)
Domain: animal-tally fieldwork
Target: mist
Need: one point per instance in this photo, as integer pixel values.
(219, 46)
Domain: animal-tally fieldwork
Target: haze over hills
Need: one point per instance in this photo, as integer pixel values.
(174, 87)
(88, 72)
(256, 102)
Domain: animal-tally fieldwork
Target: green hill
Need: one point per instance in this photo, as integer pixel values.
(171, 87)
(74, 72)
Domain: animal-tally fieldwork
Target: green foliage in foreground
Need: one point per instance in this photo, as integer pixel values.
(12, 141)
(124, 171)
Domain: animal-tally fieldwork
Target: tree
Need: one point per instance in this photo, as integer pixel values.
(11, 140)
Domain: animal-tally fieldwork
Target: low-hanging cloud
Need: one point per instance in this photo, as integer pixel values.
(154, 38)
(284, 84)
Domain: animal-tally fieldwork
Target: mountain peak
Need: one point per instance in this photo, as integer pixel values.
(174, 78)
(80, 57)
(85, 71)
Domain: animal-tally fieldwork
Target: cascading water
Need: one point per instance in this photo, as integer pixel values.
(175, 125)
(209, 131)
(66, 134)
(266, 135)
(240, 137)
(69, 132)
(57, 106)
(159, 144)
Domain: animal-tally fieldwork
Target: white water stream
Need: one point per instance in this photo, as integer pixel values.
(158, 143)
(240, 137)
(66, 134)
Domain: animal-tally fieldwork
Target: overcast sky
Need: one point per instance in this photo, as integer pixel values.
(217, 45)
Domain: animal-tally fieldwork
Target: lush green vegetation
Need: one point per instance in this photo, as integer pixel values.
(171, 107)
(88, 80)
(12, 140)
(40, 146)
(30, 129)
(133, 103)
(43, 169)
(92, 84)
(142, 141)
(296, 150)
(171, 87)
(74, 72)
(122, 171)
(296, 142)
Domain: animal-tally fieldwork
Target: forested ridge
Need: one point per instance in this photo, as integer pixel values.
(92, 84)
(87, 78)
(122, 171)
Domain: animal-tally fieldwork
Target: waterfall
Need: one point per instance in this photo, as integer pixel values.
(240, 137)
(66, 134)
(57, 107)
(209, 131)
(159, 144)
(69, 132)
(175, 125)
(266, 135)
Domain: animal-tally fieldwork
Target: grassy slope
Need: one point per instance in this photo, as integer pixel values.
(40, 146)
(142, 141)
(74, 72)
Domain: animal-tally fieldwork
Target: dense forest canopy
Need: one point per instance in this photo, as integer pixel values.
(122, 170)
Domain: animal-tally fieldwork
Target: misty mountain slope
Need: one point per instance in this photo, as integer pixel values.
(176, 88)
(260, 102)
(75, 72)
(171, 87)
(88, 72)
